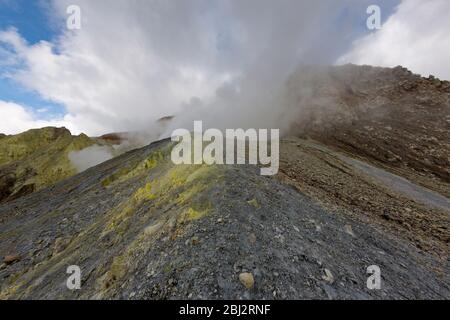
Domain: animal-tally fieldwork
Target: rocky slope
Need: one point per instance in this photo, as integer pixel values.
(390, 117)
(140, 227)
(151, 230)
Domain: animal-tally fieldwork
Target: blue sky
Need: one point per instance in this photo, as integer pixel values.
(31, 19)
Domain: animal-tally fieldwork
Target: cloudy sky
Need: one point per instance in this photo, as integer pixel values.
(135, 61)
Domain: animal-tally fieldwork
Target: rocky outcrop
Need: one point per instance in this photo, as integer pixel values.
(391, 117)
(36, 159)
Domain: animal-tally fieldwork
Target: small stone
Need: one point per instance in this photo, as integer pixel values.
(252, 238)
(328, 276)
(349, 230)
(296, 229)
(10, 259)
(220, 220)
(280, 238)
(247, 280)
(254, 203)
(195, 240)
(150, 230)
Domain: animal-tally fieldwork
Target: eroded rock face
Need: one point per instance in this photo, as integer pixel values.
(7, 182)
(391, 117)
(17, 147)
(37, 159)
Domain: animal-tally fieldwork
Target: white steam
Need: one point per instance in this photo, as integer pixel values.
(90, 157)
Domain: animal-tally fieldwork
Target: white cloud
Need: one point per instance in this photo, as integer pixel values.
(416, 36)
(134, 62)
(16, 119)
(130, 64)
